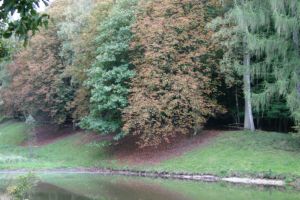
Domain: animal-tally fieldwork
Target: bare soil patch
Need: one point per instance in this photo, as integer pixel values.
(47, 134)
(128, 153)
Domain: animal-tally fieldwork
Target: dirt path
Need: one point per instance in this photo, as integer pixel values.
(128, 154)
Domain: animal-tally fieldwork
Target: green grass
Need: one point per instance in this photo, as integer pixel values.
(12, 133)
(240, 153)
(65, 153)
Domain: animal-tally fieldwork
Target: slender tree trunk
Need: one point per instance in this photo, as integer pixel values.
(238, 121)
(248, 122)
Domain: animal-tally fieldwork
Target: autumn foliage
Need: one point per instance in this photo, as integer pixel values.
(37, 84)
(146, 70)
(174, 88)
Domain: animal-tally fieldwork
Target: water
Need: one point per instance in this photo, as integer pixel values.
(86, 187)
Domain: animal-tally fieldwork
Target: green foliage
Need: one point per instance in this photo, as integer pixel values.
(29, 20)
(269, 32)
(23, 188)
(109, 76)
(83, 50)
(7, 49)
(75, 21)
(279, 52)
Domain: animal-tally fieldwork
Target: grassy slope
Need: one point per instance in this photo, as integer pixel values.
(242, 152)
(67, 152)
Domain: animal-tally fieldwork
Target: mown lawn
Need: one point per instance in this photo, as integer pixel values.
(239, 152)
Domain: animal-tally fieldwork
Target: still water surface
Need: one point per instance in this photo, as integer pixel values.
(89, 187)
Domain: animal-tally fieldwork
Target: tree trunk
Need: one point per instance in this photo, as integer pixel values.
(238, 121)
(248, 122)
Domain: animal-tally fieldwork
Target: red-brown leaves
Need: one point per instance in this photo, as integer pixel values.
(35, 77)
(172, 92)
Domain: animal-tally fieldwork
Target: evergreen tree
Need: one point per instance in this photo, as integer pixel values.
(241, 25)
(281, 57)
(268, 34)
(286, 15)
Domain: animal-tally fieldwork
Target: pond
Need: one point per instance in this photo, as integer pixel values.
(88, 186)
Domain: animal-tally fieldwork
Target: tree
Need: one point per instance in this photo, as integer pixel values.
(247, 21)
(38, 85)
(279, 52)
(77, 31)
(48, 84)
(109, 76)
(29, 20)
(286, 15)
(174, 90)
(269, 32)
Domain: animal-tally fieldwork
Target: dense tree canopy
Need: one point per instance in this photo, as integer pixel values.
(174, 89)
(109, 76)
(268, 31)
(152, 70)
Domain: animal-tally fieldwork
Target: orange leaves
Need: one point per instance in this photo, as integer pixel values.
(34, 77)
(172, 92)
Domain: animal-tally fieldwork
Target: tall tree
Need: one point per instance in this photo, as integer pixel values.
(282, 56)
(238, 28)
(37, 86)
(109, 76)
(80, 48)
(173, 92)
(269, 32)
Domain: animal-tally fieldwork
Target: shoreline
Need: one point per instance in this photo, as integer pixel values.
(155, 174)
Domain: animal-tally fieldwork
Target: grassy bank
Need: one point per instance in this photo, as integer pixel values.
(242, 152)
(239, 153)
(65, 153)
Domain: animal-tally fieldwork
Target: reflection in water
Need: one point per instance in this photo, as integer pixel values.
(85, 187)
(46, 191)
(118, 191)
(138, 190)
